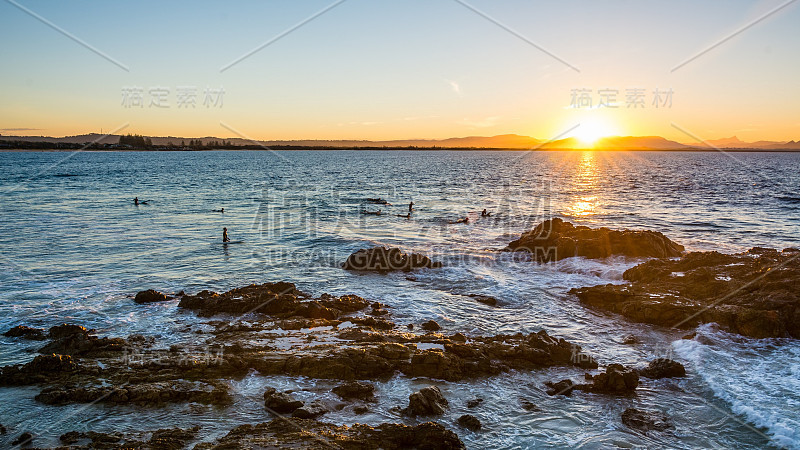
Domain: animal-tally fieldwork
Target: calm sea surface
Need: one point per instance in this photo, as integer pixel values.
(76, 248)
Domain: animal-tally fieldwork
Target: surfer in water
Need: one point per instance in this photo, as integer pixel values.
(225, 237)
(136, 201)
(410, 207)
(464, 220)
(485, 213)
(222, 210)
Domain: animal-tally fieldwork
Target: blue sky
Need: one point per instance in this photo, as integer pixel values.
(401, 69)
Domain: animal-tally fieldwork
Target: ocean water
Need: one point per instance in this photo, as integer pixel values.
(76, 249)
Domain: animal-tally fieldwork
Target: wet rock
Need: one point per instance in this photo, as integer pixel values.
(43, 368)
(474, 403)
(310, 411)
(699, 288)
(71, 437)
(76, 340)
(280, 300)
(384, 260)
(25, 332)
(373, 323)
(428, 401)
(360, 409)
(646, 420)
(458, 337)
(469, 422)
(491, 356)
(145, 394)
(630, 340)
(529, 406)
(150, 296)
(563, 387)
(431, 325)
(485, 299)
(172, 438)
(143, 341)
(66, 330)
(410, 326)
(615, 380)
(358, 390)
(280, 402)
(663, 368)
(23, 439)
(102, 438)
(2, 429)
(555, 239)
(304, 433)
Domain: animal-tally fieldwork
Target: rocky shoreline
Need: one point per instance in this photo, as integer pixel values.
(347, 339)
(276, 329)
(755, 294)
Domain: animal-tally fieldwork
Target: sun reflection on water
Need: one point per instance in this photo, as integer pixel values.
(585, 203)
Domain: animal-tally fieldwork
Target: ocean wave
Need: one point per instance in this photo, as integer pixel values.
(758, 378)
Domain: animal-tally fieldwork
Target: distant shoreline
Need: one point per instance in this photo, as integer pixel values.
(411, 149)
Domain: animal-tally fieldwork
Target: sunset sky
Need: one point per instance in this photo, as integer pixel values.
(367, 69)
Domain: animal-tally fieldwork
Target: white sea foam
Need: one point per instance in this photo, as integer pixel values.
(758, 378)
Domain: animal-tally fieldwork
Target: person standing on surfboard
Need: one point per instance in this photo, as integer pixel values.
(225, 237)
(410, 207)
(136, 201)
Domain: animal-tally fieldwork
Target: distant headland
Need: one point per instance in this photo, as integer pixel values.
(96, 141)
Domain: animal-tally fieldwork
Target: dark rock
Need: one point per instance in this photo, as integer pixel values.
(150, 296)
(646, 420)
(143, 394)
(76, 340)
(2, 429)
(615, 380)
(103, 438)
(663, 368)
(410, 326)
(305, 433)
(563, 387)
(485, 299)
(630, 340)
(474, 403)
(555, 239)
(384, 260)
(491, 356)
(172, 438)
(427, 401)
(360, 409)
(67, 330)
(43, 368)
(23, 439)
(71, 437)
(280, 300)
(355, 390)
(458, 337)
(699, 288)
(25, 332)
(280, 402)
(371, 322)
(529, 406)
(310, 411)
(469, 422)
(431, 325)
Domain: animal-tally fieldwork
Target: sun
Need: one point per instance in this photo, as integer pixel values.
(589, 131)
